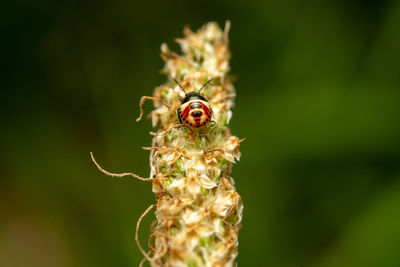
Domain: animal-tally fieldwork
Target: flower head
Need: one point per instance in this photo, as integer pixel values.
(198, 209)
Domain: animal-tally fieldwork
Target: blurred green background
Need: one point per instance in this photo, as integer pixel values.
(318, 101)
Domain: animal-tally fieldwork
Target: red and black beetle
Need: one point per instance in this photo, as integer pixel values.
(195, 111)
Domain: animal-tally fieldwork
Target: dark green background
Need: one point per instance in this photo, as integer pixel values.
(318, 101)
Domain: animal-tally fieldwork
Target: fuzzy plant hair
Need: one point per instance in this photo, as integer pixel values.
(198, 210)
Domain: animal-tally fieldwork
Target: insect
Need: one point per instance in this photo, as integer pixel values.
(194, 111)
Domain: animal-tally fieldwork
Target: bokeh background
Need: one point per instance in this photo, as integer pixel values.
(318, 101)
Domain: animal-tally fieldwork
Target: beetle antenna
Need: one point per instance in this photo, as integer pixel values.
(204, 85)
(179, 85)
